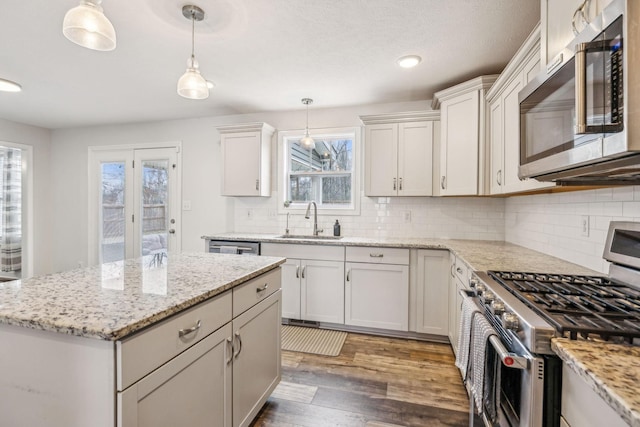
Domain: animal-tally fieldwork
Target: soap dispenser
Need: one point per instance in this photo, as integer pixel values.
(336, 228)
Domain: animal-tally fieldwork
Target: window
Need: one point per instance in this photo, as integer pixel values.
(325, 174)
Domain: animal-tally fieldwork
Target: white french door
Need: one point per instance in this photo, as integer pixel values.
(135, 205)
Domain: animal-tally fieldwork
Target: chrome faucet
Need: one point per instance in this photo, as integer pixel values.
(316, 230)
(286, 230)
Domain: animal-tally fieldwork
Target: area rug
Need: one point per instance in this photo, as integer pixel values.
(312, 340)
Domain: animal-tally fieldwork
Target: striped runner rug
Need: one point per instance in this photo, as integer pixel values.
(324, 342)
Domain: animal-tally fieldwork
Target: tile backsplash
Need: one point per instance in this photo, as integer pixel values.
(553, 223)
(429, 217)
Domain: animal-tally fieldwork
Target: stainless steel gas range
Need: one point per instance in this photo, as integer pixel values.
(527, 309)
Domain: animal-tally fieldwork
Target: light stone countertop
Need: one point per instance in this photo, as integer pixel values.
(113, 300)
(611, 370)
(480, 255)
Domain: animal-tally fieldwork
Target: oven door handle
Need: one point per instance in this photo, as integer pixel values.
(510, 360)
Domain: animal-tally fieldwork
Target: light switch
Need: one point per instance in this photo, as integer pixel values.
(186, 205)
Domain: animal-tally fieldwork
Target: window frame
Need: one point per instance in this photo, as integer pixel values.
(284, 173)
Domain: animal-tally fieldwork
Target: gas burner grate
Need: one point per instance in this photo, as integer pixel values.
(578, 305)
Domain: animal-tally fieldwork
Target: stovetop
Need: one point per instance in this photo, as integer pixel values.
(575, 306)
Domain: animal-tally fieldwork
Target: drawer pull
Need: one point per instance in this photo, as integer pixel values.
(376, 255)
(297, 272)
(304, 269)
(349, 275)
(183, 332)
(262, 288)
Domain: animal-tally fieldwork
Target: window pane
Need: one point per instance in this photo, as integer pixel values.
(155, 224)
(336, 190)
(112, 204)
(11, 210)
(300, 188)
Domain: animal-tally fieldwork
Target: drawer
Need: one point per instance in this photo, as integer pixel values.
(313, 252)
(249, 294)
(376, 255)
(149, 349)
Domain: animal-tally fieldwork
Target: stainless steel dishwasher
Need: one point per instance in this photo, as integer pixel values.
(232, 247)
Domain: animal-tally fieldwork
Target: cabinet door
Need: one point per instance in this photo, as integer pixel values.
(323, 291)
(291, 289)
(381, 159)
(415, 159)
(241, 164)
(377, 296)
(459, 145)
(433, 292)
(256, 358)
(496, 147)
(192, 389)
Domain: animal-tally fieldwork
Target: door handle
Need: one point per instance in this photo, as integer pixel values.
(237, 336)
(400, 182)
(348, 275)
(499, 177)
(257, 184)
(304, 269)
(172, 231)
(230, 348)
(297, 272)
(394, 184)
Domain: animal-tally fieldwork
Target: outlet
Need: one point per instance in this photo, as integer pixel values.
(186, 205)
(406, 216)
(584, 225)
(272, 214)
(249, 213)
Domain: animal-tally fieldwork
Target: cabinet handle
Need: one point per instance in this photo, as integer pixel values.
(400, 181)
(230, 346)
(237, 335)
(304, 269)
(257, 184)
(262, 288)
(376, 255)
(348, 275)
(394, 184)
(499, 177)
(442, 182)
(459, 270)
(187, 331)
(451, 270)
(297, 272)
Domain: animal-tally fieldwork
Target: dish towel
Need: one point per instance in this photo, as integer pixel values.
(492, 378)
(468, 310)
(481, 330)
(228, 249)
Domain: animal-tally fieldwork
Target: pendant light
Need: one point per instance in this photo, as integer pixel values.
(307, 142)
(192, 85)
(87, 26)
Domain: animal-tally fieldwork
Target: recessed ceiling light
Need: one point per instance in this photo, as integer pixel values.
(9, 86)
(409, 61)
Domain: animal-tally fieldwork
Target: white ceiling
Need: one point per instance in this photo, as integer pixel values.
(263, 55)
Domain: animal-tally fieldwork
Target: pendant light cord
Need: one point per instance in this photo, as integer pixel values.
(193, 34)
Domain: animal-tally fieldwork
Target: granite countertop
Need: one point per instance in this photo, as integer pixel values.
(612, 370)
(480, 255)
(113, 300)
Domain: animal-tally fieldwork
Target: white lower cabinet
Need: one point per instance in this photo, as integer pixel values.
(377, 291)
(432, 292)
(312, 281)
(256, 358)
(458, 279)
(191, 389)
(206, 378)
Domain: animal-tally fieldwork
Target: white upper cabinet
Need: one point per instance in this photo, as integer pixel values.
(557, 18)
(462, 141)
(399, 153)
(246, 159)
(504, 121)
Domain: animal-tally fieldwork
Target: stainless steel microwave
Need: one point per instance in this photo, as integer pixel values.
(580, 118)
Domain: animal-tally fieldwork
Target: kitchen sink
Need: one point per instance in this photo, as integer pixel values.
(309, 237)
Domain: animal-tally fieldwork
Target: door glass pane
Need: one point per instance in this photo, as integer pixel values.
(112, 211)
(155, 221)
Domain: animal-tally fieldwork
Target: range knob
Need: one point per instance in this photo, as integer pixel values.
(473, 283)
(488, 297)
(510, 321)
(497, 307)
(480, 288)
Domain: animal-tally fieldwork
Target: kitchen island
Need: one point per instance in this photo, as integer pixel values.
(127, 343)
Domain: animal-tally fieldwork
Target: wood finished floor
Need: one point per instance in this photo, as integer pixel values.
(374, 382)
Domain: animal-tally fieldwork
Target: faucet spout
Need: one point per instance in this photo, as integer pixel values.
(316, 230)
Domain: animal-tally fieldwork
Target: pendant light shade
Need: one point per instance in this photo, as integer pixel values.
(87, 26)
(307, 142)
(192, 85)
(9, 86)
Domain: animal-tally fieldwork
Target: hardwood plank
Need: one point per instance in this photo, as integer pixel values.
(290, 359)
(317, 375)
(282, 413)
(294, 392)
(430, 393)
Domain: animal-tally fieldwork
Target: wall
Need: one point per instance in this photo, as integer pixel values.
(40, 140)
(212, 213)
(551, 223)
